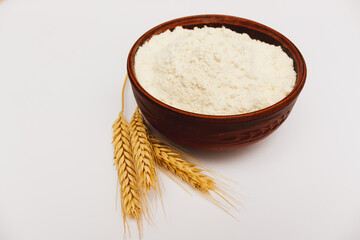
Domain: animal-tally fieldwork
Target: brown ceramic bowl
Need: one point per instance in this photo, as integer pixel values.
(210, 132)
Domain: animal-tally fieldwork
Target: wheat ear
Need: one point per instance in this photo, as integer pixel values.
(143, 153)
(123, 159)
(174, 160)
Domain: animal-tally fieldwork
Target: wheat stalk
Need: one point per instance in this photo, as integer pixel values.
(143, 153)
(130, 195)
(137, 151)
(123, 160)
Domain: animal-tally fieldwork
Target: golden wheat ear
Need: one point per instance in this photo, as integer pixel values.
(130, 194)
(123, 159)
(144, 160)
(143, 153)
(198, 177)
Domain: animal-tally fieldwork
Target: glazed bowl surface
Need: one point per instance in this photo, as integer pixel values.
(217, 133)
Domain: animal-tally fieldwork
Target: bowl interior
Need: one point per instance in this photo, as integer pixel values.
(253, 29)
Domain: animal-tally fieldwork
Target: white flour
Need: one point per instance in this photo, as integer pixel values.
(213, 71)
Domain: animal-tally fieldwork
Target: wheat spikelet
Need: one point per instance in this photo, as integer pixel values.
(143, 153)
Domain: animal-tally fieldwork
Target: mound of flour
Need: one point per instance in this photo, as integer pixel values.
(213, 71)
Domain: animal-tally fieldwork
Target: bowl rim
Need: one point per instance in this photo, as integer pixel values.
(300, 79)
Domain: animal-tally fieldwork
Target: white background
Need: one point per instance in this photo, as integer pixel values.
(62, 64)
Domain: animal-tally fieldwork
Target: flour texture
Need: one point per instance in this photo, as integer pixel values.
(214, 71)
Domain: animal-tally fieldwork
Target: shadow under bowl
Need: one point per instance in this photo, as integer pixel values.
(217, 133)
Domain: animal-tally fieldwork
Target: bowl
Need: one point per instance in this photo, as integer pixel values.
(217, 133)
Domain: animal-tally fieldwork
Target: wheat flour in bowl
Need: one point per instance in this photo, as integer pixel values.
(214, 71)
